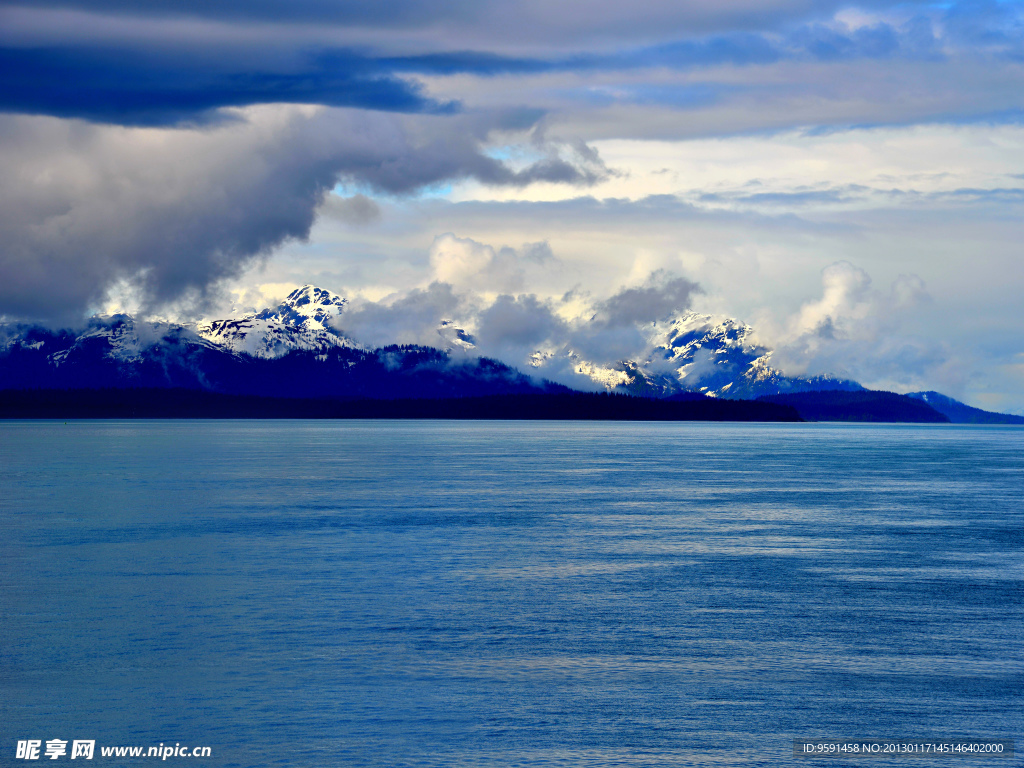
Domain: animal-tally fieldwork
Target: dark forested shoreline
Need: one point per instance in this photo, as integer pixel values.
(187, 403)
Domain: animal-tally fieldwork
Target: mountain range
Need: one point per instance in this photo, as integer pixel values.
(298, 349)
(716, 356)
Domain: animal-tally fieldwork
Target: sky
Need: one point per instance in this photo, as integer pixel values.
(846, 178)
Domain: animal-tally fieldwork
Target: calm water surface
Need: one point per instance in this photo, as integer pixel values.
(509, 594)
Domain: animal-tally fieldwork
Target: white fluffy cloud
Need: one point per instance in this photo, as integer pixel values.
(865, 333)
(542, 334)
(466, 263)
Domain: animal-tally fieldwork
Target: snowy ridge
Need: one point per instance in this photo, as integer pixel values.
(304, 320)
(455, 338)
(694, 352)
(708, 354)
(123, 339)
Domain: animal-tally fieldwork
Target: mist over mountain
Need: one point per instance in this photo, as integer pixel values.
(960, 413)
(300, 349)
(286, 351)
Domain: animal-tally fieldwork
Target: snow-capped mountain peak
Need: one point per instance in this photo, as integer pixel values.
(306, 319)
(317, 304)
(695, 352)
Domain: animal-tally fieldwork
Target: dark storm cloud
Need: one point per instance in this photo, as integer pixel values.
(661, 296)
(377, 13)
(131, 87)
(175, 211)
(138, 68)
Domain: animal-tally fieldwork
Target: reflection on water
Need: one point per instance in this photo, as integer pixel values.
(500, 594)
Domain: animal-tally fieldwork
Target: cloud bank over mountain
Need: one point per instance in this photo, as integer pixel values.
(177, 211)
(178, 154)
